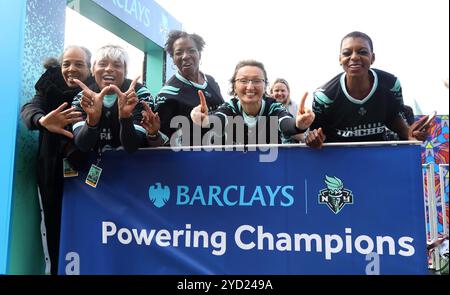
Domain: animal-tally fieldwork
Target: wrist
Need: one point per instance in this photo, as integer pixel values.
(92, 123)
(153, 136)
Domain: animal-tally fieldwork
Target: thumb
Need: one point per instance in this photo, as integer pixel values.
(67, 133)
(110, 88)
(203, 101)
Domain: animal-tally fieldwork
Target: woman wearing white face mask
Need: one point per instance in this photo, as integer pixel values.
(111, 107)
(257, 110)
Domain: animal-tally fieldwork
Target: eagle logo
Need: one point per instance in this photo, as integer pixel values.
(159, 195)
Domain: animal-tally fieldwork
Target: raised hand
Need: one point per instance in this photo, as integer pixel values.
(315, 138)
(56, 120)
(305, 116)
(420, 130)
(126, 101)
(92, 103)
(150, 121)
(199, 114)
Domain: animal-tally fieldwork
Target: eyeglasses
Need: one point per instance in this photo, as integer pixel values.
(256, 82)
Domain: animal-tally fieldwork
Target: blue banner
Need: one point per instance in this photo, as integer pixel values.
(339, 210)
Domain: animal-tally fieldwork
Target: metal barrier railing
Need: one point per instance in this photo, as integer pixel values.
(443, 170)
(430, 207)
(431, 210)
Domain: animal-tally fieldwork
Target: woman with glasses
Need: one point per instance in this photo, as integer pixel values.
(251, 116)
(358, 104)
(179, 95)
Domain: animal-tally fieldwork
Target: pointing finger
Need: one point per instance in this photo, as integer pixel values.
(301, 108)
(82, 85)
(146, 107)
(203, 101)
(133, 84)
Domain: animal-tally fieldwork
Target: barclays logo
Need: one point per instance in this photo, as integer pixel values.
(159, 195)
(223, 196)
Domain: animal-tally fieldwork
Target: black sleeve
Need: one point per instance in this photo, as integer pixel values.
(132, 134)
(166, 110)
(86, 137)
(33, 110)
(288, 127)
(130, 138)
(319, 108)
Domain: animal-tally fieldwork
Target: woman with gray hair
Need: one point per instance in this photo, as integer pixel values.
(111, 106)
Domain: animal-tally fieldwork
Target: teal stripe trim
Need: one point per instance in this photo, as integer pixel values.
(167, 92)
(322, 99)
(274, 107)
(140, 128)
(79, 124)
(143, 91)
(170, 88)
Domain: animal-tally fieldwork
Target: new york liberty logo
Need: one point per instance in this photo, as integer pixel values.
(335, 196)
(159, 195)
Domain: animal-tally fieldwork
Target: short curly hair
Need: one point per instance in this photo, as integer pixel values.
(176, 34)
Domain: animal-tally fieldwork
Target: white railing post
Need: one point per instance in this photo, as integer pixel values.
(432, 211)
(443, 169)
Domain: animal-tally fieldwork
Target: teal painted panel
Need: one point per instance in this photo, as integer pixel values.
(12, 15)
(44, 37)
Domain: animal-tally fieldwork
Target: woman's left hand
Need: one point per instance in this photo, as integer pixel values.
(127, 101)
(150, 121)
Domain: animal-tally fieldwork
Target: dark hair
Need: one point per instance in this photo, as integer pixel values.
(244, 63)
(50, 62)
(357, 34)
(175, 35)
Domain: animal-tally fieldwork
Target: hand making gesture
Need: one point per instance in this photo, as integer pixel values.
(315, 138)
(150, 121)
(420, 130)
(126, 101)
(305, 116)
(92, 103)
(56, 120)
(199, 114)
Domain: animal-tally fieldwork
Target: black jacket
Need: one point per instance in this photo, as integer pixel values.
(51, 92)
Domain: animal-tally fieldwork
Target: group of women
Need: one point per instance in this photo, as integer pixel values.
(78, 111)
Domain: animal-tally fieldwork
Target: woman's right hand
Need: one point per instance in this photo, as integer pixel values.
(92, 103)
(315, 138)
(199, 114)
(56, 120)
